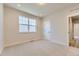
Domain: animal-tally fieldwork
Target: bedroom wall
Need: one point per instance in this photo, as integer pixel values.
(12, 34)
(59, 24)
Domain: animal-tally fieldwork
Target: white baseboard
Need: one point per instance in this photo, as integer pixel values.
(59, 43)
(17, 43)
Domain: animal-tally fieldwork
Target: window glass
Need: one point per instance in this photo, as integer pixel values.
(32, 29)
(27, 24)
(32, 22)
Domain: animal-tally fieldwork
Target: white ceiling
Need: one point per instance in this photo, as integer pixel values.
(41, 10)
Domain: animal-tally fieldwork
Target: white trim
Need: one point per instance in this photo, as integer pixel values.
(74, 14)
(71, 15)
(68, 30)
(17, 43)
(55, 42)
(59, 43)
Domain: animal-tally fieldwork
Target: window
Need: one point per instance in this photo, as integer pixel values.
(23, 24)
(27, 24)
(32, 25)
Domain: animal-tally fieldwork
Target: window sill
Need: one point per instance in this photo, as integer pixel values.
(26, 32)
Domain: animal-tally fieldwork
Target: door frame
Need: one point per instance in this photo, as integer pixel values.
(68, 30)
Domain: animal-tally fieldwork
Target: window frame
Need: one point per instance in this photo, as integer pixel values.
(28, 25)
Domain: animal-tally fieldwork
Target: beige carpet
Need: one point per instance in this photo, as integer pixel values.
(40, 48)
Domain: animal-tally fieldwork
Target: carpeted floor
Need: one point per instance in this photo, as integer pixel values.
(40, 48)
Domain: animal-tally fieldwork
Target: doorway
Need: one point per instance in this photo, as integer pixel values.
(74, 31)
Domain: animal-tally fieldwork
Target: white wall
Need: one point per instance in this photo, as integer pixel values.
(58, 27)
(76, 30)
(59, 24)
(12, 35)
(1, 27)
